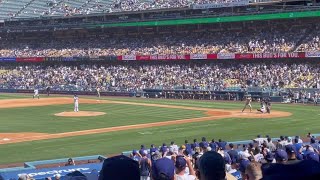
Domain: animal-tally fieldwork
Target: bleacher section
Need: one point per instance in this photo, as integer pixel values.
(34, 9)
(9, 8)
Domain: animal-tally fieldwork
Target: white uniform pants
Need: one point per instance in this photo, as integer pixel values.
(76, 107)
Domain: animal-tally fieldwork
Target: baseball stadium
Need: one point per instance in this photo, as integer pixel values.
(159, 89)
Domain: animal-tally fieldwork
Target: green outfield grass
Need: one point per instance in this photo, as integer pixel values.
(40, 119)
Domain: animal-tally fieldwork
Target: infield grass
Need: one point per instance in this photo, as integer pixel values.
(304, 119)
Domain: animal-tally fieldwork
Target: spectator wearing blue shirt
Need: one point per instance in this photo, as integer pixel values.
(213, 145)
(204, 142)
(222, 144)
(233, 153)
(195, 144)
(163, 148)
(297, 145)
(188, 146)
(153, 148)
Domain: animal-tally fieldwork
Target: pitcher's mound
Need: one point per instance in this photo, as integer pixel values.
(80, 114)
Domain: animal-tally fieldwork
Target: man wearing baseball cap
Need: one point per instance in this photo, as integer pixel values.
(163, 169)
(292, 158)
(212, 166)
(312, 156)
(281, 156)
(181, 163)
(120, 167)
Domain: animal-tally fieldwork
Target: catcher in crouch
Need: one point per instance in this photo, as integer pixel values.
(248, 103)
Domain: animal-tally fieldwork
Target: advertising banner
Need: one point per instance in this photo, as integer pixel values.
(312, 54)
(30, 59)
(60, 59)
(226, 56)
(244, 56)
(278, 55)
(170, 57)
(143, 58)
(129, 57)
(198, 56)
(7, 59)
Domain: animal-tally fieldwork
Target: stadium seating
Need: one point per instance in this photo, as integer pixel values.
(10, 8)
(128, 78)
(37, 8)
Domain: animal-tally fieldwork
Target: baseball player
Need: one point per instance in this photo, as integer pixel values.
(315, 98)
(268, 106)
(248, 103)
(98, 92)
(76, 103)
(36, 93)
(263, 108)
(48, 91)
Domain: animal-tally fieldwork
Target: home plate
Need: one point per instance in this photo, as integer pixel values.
(5, 139)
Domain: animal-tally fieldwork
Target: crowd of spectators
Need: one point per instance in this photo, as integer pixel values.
(279, 38)
(311, 43)
(67, 8)
(134, 77)
(263, 158)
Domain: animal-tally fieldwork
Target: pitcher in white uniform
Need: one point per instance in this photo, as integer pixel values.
(76, 103)
(36, 93)
(98, 92)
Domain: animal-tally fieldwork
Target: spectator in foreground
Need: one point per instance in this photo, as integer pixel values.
(57, 176)
(212, 167)
(76, 175)
(120, 167)
(145, 166)
(233, 153)
(181, 164)
(312, 156)
(163, 169)
(253, 171)
(292, 158)
(281, 156)
(306, 169)
(25, 177)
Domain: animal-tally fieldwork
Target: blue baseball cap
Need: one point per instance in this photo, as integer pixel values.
(181, 162)
(269, 156)
(290, 149)
(163, 169)
(114, 167)
(134, 151)
(281, 155)
(187, 151)
(312, 156)
(250, 145)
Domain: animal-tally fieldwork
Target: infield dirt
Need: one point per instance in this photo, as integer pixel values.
(211, 114)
